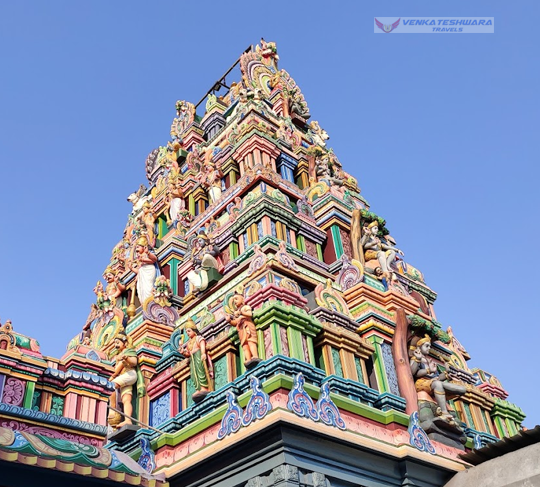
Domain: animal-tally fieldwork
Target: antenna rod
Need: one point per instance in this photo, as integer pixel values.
(221, 80)
(137, 421)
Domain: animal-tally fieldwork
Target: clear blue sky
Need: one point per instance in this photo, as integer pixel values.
(441, 132)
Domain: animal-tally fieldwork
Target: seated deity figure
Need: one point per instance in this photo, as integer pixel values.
(126, 375)
(375, 249)
(203, 256)
(429, 380)
(242, 320)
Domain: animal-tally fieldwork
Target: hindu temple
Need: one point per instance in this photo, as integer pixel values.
(257, 325)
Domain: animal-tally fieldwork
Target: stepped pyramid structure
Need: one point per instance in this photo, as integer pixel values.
(258, 324)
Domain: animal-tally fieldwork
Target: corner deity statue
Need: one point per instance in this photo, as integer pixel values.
(241, 319)
(433, 386)
(368, 246)
(126, 375)
(144, 266)
(200, 364)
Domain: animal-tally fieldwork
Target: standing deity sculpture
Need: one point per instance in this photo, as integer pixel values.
(205, 266)
(143, 265)
(175, 197)
(126, 375)
(428, 379)
(114, 287)
(200, 363)
(242, 319)
(148, 220)
(211, 181)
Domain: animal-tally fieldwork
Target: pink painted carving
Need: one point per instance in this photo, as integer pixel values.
(268, 343)
(13, 392)
(39, 430)
(284, 341)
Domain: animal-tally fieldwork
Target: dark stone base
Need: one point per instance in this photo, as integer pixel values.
(125, 432)
(251, 364)
(447, 440)
(439, 429)
(199, 396)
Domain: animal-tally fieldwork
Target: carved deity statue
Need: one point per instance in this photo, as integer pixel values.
(175, 197)
(318, 135)
(374, 248)
(328, 169)
(143, 265)
(148, 220)
(205, 265)
(429, 380)
(241, 319)
(126, 375)
(200, 363)
(114, 287)
(211, 180)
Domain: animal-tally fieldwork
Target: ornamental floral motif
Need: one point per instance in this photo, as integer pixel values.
(57, 406)
(232, 420)
(161, 409)
(13, 392)
(418, 437)
(328, 411)
(300, 402)
(258, 405)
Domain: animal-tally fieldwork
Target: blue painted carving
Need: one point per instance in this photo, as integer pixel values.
(299, 401)
(78, 375)
(327, 410)
(147, 460)
(232, 420)
(258, 405)
(391, 375)
(418, 437)
(160, 409)
(477, 442)
(93, 355)
(39, 416)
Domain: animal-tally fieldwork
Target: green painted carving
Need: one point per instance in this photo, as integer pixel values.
(220, 373)
(190, 390)
(337, 362)
(359, 370)
(57, 406)
(468, 414)
(36, 401)
(430, 327)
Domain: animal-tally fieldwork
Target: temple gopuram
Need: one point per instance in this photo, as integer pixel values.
(257, 325)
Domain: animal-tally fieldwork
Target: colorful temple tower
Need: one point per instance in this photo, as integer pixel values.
(258, 325)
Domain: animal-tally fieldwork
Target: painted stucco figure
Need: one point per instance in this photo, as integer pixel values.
(242, 319)
(200, 364)
(144, 266)
(203, 256)
(126, 375)
(375, 249)
(114, 287)
(429, 380)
